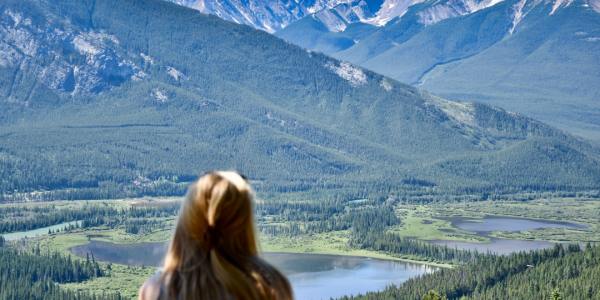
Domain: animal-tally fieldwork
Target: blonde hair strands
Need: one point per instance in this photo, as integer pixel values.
(214, 253)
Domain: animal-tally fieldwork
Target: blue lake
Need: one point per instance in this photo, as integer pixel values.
(313, 276)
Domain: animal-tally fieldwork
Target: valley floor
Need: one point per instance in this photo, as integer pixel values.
(427, 222)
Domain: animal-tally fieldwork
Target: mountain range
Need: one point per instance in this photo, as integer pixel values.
(120, 98)
(537, 57)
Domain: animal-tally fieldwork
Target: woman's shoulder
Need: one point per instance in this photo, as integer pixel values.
(151, 289)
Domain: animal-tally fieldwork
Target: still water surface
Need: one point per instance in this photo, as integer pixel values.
(497, 246)
(488, 224)
(13, 236)
(313, 276)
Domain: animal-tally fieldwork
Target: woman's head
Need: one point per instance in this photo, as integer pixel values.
(217, 214)
(213, 253)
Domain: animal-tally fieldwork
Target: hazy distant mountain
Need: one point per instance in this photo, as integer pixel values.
(117, 98)
(267, 15)
(537, 58)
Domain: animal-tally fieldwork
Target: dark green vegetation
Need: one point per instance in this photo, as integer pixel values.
(162, 92)
(136, 219)
(34, 275)
(521, 55)
(368, 223)
(567, 271)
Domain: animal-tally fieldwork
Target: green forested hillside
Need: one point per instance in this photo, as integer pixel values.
(123, 98)
(568, 272)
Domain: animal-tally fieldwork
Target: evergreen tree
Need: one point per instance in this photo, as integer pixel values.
(433, 295)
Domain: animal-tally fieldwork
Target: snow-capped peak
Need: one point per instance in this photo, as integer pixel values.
(391, 9)
(453, 8)
(274, 15)
(336, 15)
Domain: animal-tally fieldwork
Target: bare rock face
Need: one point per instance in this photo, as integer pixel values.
(62, 60)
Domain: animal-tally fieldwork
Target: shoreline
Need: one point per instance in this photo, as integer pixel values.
(358, 253)
(381, 257)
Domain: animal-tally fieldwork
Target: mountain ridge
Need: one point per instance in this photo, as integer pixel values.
(294, 120)
(484, 56)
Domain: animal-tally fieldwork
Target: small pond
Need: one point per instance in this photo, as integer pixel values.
(491, 223)
(483, 227)
(313, 276)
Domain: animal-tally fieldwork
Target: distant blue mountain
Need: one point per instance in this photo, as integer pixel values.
(540, 59)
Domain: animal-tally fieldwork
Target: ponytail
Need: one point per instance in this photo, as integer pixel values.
(213, 253)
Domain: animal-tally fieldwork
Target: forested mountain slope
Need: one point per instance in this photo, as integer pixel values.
(121, 98)
(539, 58)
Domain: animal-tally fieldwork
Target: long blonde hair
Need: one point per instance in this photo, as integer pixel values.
(213, 253)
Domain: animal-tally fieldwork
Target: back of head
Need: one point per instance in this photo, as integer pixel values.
(213, 253)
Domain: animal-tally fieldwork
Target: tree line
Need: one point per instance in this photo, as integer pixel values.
(90, 215)
(561, 272)
(34, 275)
(368, 223)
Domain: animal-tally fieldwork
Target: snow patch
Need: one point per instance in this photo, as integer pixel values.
(517, 15)
(270, 117)
(560, 3)
(453, 8)
(176, 74)
(18, 19)
(349, 72)
(160, 95)
(460, 112)
(595, 4)
(386, 85)
(85, 47)
(15, 16)
(331, 20)
(391, 9)
(147, 58)
(139, 75)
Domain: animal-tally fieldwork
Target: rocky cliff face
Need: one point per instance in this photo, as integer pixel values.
(59, 58)
(272, 16)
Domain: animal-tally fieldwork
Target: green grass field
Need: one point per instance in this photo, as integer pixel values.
(581, 211)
